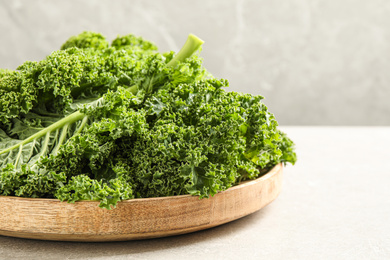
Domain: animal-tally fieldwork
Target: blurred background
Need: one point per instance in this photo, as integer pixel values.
(316, 62)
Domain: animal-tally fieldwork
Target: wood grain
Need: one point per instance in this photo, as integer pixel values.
(50, 219)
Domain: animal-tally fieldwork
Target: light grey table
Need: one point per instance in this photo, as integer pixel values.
(335, 204)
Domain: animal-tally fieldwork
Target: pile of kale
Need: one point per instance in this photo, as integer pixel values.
(95, 121)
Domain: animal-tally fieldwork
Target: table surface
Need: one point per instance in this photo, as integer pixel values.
(335, 203)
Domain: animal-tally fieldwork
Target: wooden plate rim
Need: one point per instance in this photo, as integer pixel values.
(179, 214)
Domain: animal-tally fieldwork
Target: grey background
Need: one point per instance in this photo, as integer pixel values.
(317, 62)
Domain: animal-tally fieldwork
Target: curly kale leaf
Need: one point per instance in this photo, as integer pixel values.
(122, 42)
(206, 138)
(5, 72)
(86, 40)
(17, 96)
(81, 187)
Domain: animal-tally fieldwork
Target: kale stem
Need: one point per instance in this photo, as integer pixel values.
(46, 143)
(190, 46)
(76, 116)
(18, 156)
(62, 138)
(83, 123)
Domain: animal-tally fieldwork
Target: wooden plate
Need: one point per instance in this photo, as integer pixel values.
(50, 219)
